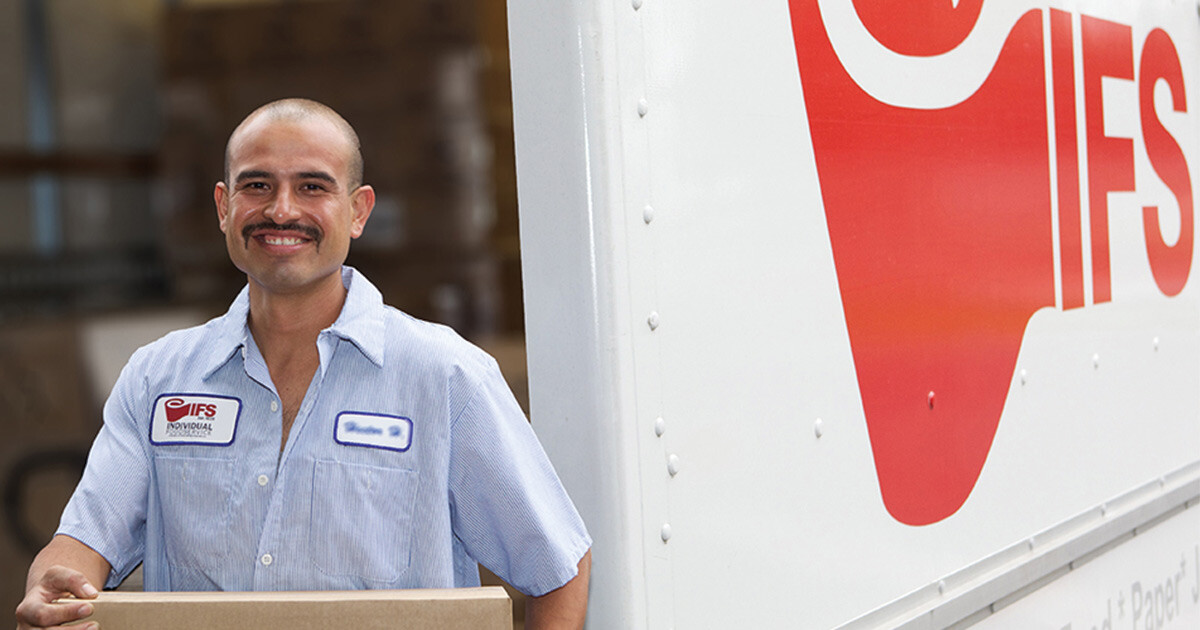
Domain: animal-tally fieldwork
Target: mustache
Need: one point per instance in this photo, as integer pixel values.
(305, 230)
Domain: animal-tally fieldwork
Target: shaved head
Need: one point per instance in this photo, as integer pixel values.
(294, 109)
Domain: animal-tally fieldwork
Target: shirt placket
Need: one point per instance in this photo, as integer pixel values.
(278, 546)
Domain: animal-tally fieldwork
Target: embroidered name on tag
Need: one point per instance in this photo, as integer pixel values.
(194, 419)
(393, 433)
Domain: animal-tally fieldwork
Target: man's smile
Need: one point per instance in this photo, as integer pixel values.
(281, 240)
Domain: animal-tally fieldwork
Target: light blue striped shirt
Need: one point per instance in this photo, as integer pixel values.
(408, 462)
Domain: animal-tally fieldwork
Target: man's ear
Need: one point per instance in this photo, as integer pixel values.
(221, 197)
(362, 201)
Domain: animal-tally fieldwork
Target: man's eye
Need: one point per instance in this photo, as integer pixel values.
(312, 187)
(254, 186)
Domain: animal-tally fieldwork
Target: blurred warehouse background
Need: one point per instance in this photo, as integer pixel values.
(113, 119)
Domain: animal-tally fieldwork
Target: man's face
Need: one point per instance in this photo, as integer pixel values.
(287, 211)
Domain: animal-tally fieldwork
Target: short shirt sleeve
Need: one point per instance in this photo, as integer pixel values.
(107, 512)
(509, 508)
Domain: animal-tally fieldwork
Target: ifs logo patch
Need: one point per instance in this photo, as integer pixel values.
(194, 419)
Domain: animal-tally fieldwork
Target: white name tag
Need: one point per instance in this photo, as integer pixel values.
(373, 430)
(194, 419)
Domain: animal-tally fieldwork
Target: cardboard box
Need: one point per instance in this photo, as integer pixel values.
(486, 608)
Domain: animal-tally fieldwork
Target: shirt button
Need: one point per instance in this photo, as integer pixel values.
(263, 480)
(267, 559)
(274, 406)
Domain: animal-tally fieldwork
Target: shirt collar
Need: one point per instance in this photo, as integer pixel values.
(361, 322)
(362, 319)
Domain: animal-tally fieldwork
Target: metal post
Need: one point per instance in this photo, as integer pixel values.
(45, 189)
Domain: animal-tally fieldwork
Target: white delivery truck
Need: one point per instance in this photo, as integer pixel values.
(857, 313)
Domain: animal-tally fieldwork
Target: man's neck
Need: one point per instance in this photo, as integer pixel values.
(285, 327)
(286, 323)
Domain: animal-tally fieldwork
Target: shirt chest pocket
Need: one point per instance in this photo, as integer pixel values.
(361, 522)
(195, 496)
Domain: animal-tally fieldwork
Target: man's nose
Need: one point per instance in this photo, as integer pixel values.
(283, 208)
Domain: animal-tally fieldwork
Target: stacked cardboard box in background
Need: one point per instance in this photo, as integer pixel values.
(49, 422)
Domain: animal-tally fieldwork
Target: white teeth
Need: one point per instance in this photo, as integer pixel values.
(282, 240)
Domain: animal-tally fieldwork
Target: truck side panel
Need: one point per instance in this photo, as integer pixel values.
(839, 316)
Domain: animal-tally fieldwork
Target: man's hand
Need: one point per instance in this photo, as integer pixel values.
(65, 567)
(37, 609)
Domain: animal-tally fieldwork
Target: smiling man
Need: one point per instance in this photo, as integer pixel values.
(312, 437)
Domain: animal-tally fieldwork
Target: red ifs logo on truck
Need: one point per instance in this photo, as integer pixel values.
(942, 220)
